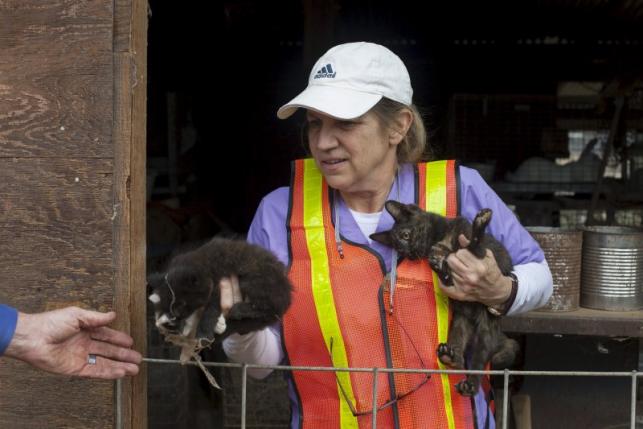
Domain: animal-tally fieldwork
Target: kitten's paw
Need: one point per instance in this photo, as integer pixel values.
(446, 354)
(466, 388)
(482, 219)
(436, 261)
(221, 326)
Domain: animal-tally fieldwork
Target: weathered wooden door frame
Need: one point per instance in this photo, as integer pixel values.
(129, 133)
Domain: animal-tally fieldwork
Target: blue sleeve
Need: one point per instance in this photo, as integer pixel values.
(8, 320)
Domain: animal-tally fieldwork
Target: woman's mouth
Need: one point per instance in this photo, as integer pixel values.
(332, 164)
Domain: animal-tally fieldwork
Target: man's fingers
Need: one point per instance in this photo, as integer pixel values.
(93, 319)
(116, 353)
(113, 336)
(108, 369)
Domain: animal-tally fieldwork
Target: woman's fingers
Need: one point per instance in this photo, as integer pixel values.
(230, 293)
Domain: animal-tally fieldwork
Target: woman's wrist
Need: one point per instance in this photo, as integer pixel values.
(502, 306)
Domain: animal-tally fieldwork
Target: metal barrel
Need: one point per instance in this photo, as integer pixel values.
(612, 273)
(563, 249)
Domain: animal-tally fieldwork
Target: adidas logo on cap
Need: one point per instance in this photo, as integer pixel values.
(326, 71)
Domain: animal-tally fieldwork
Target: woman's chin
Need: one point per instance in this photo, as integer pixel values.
(338, 182)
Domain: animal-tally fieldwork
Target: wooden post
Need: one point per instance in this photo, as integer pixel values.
(130, 109)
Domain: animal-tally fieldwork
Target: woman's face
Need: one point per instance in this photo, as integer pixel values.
(355, 155)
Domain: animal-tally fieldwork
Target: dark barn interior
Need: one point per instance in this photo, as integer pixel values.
(499, 83)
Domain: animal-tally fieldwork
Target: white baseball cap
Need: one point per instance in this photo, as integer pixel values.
(349, 79)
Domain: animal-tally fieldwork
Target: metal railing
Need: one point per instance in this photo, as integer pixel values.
(634, 375)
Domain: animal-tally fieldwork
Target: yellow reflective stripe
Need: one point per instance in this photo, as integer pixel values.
(436, 202)
(322, 290)
(442, 309)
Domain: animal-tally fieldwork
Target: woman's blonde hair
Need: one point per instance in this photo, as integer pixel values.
(413, 147)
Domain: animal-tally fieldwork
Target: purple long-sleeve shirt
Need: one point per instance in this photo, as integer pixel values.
(269, 230)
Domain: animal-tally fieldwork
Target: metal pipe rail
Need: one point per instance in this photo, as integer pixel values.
(505, 373)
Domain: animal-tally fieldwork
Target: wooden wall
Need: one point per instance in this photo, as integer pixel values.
(72, 167)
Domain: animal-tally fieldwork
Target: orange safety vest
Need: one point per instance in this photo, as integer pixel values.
(339, 318)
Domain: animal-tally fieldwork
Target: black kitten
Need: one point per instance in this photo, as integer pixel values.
(186, 297)
(420, 234)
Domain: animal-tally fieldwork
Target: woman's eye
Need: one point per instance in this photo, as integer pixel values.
(347, 125)
(313, 124)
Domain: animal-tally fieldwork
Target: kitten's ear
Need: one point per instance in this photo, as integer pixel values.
(397, 210)
(383, 237)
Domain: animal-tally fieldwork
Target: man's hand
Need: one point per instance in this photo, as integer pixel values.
(476, 279)
(61, 341)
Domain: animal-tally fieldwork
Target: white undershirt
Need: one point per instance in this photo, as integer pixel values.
(367, 222)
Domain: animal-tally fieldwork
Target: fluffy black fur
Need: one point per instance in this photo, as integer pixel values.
(418, 234)
(194, 278)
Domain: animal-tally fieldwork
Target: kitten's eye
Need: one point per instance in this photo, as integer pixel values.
(406, 235)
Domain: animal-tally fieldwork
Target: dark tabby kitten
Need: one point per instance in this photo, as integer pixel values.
(186, 297)
(420, 234)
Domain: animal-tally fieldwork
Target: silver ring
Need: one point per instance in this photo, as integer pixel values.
(91, 359)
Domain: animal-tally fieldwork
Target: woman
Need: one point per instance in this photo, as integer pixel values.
(365, 137)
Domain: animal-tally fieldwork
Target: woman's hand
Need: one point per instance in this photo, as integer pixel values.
(230, 293)
(476, 279)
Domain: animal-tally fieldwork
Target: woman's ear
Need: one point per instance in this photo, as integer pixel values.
(402, 124)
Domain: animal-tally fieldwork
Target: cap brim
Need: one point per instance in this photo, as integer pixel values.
(340, 103)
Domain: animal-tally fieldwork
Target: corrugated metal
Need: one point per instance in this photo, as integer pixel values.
(612, 272)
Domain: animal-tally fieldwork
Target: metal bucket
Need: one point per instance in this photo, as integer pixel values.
(612, 274)
(562, 248)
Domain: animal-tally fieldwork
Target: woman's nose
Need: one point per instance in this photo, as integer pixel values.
(325, 138)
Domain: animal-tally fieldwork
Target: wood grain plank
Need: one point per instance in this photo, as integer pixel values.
(121, 230)
(46, 192)
(56, 191)
(583, 321)
(55, 232)
(57, 78)
(41, 270)
(34, 399)
(130, 73)
(55, 113)
(28, 21)
(138, 207)
(123, 25)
